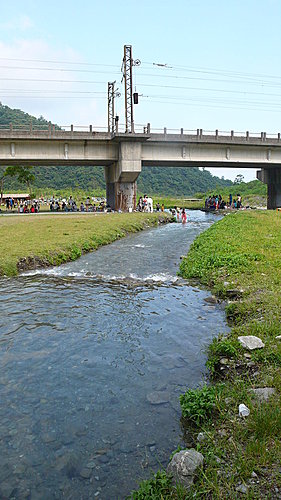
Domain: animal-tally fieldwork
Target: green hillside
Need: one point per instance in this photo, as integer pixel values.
(175, 181)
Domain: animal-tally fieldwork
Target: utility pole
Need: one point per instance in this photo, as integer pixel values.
(111, 120)
(127, 66)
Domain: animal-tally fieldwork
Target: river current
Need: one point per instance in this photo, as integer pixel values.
(93, 357)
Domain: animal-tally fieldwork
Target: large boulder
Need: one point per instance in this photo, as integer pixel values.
(184, 465)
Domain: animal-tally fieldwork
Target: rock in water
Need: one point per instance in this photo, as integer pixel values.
(158, 397)
(183, 466)
(251, 342)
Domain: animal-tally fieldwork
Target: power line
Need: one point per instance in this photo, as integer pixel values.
(58, 62)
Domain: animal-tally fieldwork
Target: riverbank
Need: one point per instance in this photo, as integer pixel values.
(239, 259)
(33, 241)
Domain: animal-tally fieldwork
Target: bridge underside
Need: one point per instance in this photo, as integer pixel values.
(124, 156)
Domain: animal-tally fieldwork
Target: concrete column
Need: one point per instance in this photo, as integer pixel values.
(119, 195)
(120, 177)
(271, 177)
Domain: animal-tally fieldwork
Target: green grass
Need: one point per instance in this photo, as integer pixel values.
(239, 259)
(54, 239)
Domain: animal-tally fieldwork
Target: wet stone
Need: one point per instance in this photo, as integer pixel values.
(49, 438)
(158, 397)
(211, 300)
(85, 473)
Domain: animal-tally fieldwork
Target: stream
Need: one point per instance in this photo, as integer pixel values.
(94, 356)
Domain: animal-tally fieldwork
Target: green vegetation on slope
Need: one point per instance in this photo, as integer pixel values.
(19, 118)
(44, 240)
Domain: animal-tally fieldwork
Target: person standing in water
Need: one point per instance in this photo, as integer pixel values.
(183, 216)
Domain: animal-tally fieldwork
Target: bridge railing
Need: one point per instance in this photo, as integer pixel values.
(79, 130)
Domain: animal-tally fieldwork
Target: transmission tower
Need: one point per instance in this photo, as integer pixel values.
(127, 66)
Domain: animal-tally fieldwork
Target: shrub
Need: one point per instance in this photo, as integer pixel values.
(198, 404)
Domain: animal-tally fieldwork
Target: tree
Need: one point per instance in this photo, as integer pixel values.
(23, 174)
(238, 179)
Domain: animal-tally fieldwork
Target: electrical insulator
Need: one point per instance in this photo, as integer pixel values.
(136, 97)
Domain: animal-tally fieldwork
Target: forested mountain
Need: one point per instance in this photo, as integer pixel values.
(173, 181)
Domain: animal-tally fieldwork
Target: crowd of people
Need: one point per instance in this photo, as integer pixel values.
(216, 202)
(71, 206)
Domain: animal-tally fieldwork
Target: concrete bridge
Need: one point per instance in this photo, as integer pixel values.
(124, 154)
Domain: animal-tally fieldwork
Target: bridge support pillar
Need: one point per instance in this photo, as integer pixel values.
(120, 177)
(121, 195)
(271, 177)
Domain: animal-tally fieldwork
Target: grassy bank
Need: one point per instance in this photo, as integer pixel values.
(239, 259)
(43, 240)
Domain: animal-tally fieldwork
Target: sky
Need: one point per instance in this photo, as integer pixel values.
(209, 64)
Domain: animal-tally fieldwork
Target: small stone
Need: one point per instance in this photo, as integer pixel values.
(263, 393)
(251, 342)
(211, 300)
(201, 437)
(158, 397)
(242, 489)
(233, 293)
(254, 474)
(278, 337)
(85, 473)
(224, 361)
(251, 364)
(91, 465)
(48, 437)
(247, 355)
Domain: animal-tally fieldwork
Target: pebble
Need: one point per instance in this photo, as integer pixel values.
(85, 473)
(242, 489)
(201, 437)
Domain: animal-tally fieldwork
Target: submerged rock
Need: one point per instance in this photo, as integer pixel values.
(251, 342)
(184, 465)
(158, 397)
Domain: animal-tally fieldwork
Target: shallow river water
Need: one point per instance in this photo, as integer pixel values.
(93, 357)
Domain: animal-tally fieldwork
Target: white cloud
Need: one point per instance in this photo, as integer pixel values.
(21, 23)
(46, 92)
